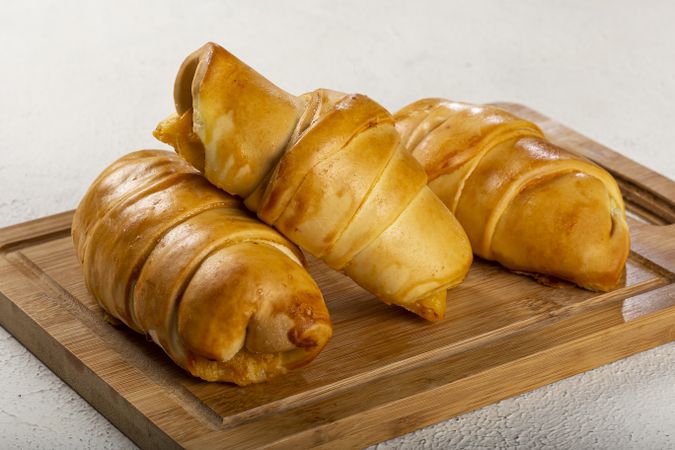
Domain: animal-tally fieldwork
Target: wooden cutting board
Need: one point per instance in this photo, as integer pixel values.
(385, 372)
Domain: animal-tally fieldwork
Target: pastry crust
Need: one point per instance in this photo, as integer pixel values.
(523, 201)
(171, 256)
(326, 169)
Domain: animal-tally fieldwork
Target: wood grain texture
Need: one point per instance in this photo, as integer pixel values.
(386, 372)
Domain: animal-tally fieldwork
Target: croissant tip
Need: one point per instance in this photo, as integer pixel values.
(316, 335)
(425, 312)
(431, 315)
(164, 130)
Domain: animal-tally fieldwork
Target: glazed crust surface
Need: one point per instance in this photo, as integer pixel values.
(327, 169)
(523, 201)
(173, 257)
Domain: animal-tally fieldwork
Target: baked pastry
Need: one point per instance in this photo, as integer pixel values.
(171, 256)
(327, 170)
(523, 201)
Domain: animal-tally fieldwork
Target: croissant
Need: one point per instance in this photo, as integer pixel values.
(171, 256)
(524, 202)
(327, 170)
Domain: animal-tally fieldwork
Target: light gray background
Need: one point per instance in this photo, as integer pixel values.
(84, 82)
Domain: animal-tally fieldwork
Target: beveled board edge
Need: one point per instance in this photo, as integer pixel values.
(29, 316)
(446, 399)
(23, 322)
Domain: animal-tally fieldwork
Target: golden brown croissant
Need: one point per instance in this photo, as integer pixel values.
(171, 256)
(523, 201)
(327, 169)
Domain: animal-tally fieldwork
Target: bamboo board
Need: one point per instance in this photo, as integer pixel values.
(385, 372)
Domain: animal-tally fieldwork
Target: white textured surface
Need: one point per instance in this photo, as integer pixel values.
(84, 82)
